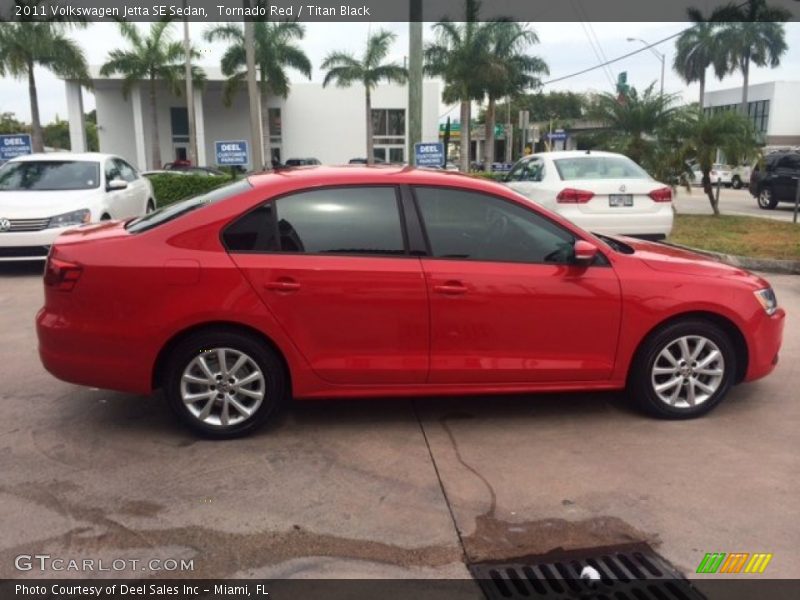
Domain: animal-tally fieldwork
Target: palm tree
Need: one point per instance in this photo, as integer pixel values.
(345, 70)
(511, 73)
(697, 49)
(635, 120)
(754, 33)
(28, 44)
(152, 58)
(702, 134)
(460, 56)
(275, 50)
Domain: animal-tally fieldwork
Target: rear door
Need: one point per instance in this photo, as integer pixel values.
(333, 267)
(526, 178)
(786, 173)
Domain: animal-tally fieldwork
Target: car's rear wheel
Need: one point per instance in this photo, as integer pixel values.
(683, 370)
(223, 384)
(736, 182)
(766, 199)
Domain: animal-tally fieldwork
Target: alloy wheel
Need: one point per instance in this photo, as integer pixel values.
(765, 198)
(222, 387)
(687, 371)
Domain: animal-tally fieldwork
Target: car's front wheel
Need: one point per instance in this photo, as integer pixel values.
(683, 370)
(223, 384)
(766, 199)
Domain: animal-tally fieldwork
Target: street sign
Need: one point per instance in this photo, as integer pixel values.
(232, 153)
(11, 146)
(558, 135)
(429, 154)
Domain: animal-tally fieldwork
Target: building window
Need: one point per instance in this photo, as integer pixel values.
(389, 134)
(758, 111)
(179, 118)
(274, 125)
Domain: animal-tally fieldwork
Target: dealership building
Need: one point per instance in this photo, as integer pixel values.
(328, 124)
(771, 106)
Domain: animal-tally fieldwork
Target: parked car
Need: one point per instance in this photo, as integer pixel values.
(301, 162)
(41, 195)
(363, 161)
(341, 282)
(740, 176)
(776, 180)
(599, 191)
(719, 173)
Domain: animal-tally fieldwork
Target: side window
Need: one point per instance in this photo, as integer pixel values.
(127, 172)
(112, 170)
(474, 226)
(252, 232)
(790, 161)
(353, 220)
(527, 170)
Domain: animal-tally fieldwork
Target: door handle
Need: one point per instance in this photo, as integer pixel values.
(451, 288)
(282, 285)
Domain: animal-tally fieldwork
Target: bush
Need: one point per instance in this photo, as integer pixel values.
(492, 176)
(169, 188)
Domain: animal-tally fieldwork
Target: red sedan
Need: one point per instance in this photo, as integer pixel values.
(353, 281)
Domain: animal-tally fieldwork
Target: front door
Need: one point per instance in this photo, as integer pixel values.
(338, 277)
(507, 306)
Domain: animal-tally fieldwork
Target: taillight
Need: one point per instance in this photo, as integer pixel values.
(571, 196)
(61, 274)
(661, 195)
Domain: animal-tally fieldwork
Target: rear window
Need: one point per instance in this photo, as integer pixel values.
(49, 175)
(598, 167)
(173, 211)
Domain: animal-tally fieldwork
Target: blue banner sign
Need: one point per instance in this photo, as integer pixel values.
(232, 153)
(429, 154)
(11, 146)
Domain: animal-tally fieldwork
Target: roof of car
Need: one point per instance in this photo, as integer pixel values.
(570, 154)
(376, 174)
(98, 156)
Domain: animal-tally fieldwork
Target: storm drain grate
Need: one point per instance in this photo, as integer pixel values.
(625, 574)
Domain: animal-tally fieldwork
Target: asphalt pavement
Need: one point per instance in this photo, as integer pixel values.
(387, 488)
(731, 202)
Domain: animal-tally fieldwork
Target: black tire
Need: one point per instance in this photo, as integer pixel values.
(275, 381)
(736, 182)
(766, 199)
(641, 387)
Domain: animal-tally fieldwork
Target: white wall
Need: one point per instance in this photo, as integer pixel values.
(324, 123)
(784, 118)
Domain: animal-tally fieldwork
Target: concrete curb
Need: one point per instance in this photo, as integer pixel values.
(768, 265)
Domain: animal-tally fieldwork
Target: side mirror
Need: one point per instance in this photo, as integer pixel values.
(584, 252)
(116, 184)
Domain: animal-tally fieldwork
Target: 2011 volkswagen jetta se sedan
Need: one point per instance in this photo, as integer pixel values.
(364, 282)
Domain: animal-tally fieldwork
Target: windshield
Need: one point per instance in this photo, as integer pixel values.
(599, 167)
(173, 211)
(49, 175)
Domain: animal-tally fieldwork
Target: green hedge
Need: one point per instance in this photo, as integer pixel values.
(169, 188)
(492, 176)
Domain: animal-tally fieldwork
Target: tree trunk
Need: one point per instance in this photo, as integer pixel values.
(370, 149)
(156, 142)
(746, 75)
(37, 140)
(708, 188)
(488, 149)
(265, 132)
(463, 136)
(702, 90)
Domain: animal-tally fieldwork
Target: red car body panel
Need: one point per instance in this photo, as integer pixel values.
(354, 326)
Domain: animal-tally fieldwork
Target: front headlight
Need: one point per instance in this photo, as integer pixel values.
(767, 299)
(76, 217)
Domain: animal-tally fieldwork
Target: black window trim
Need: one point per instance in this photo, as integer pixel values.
(600, 261)
(274, 199)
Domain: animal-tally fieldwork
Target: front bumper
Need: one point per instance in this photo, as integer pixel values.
(27, 245)
(764, 343)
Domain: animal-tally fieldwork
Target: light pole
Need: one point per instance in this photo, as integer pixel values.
(662, 57)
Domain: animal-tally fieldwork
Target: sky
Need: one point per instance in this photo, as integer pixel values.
(564, 46)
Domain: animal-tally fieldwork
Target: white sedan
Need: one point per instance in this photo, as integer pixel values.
(719, 172)
(599, 191)
(41, 195)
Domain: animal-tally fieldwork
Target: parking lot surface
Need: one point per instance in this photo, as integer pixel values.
(731, 202)
(378, 488)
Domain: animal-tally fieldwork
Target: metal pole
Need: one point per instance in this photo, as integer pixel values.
(187, 50)
(663, 58)
(414, 77)
(252, 95)
(796, 200)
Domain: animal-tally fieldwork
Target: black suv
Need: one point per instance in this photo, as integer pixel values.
(776, 180)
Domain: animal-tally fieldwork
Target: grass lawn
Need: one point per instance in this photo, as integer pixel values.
(743, 236)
